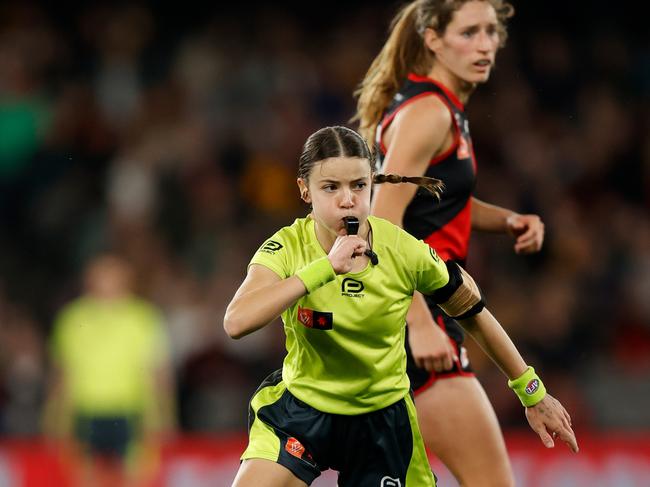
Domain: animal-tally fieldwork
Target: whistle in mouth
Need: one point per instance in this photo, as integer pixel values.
(351, 225)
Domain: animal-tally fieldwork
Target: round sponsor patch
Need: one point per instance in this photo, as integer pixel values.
(532, 386)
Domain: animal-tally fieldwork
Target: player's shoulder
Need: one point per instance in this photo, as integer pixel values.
(428, 108)
(423, 123)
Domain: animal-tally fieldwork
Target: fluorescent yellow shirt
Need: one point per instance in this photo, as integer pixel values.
(107, 352)
(345, 340)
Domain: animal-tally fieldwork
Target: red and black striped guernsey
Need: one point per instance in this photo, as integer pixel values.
(444, 225)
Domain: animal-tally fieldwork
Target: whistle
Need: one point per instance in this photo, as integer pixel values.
(352, 228)
(351, 225)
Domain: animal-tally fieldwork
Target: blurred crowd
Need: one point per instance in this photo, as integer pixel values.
(172, 140)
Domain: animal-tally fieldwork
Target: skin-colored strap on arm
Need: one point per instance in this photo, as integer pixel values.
(461, 297)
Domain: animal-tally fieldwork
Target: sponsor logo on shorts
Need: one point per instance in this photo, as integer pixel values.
(352, 288)
(271, 247)
(294, 447)
(390, 482)
(532, 387)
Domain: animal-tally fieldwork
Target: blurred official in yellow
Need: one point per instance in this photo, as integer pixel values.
(111, 398)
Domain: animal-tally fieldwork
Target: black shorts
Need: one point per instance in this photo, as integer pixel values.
(421, 379)
(106, 436)
(378, 449)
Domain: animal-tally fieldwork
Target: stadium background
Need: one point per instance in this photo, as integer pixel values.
(171, 134)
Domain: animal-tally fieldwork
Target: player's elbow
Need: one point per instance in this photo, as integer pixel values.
(233, 325)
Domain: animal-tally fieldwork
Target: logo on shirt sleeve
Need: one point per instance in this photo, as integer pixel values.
(390, 482)
(434, 255)
(271, 247)
(318, 320)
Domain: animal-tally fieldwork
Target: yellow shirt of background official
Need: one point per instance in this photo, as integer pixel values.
(107, 352)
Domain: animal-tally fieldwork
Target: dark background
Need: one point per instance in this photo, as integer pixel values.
(170, 132)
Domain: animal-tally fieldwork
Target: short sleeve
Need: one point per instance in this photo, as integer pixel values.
(429, 270)
(274, 254)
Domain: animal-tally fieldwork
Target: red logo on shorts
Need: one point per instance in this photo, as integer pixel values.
(532, 387)
(294, 447)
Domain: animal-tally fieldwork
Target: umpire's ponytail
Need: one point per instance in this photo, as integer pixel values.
(433, 185)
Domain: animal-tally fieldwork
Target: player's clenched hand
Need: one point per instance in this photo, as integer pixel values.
(550, 420)
(430, 346)
(344, 250)
(529, 232)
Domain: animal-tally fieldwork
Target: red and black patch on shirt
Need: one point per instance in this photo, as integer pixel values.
(319, 320)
